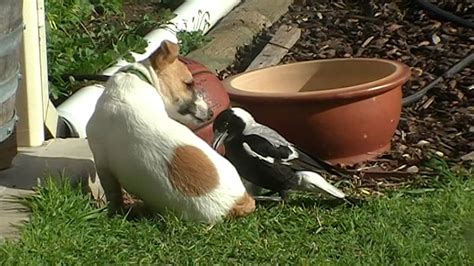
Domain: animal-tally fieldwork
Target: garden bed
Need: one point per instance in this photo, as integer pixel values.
(86, 38)
(440, 124)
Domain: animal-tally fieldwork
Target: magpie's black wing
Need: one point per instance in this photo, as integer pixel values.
(271, 161)
(267, 133)
(260, 147)
(267, 142)
(306, 162)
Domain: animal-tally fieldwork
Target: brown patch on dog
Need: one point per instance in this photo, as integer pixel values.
(191, 172)
(176, 77)
(243, 207)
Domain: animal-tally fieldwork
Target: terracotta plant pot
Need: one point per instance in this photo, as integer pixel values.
(214, 94)
(342, 110)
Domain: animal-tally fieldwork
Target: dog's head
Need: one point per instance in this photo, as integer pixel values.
(183, 103)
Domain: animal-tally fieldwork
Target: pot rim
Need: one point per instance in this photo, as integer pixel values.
(397, 78)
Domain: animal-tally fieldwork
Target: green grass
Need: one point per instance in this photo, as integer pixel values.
(403, 228)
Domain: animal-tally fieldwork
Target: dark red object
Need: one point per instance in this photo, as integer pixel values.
(214, 94)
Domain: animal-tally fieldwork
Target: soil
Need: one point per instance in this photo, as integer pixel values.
(134, 10)
(441, 124)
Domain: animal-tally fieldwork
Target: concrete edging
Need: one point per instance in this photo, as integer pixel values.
(236, 29)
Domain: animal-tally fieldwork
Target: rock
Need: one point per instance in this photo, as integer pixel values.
(422, 143)
(436, 39)
(468, 156)
(413, 169)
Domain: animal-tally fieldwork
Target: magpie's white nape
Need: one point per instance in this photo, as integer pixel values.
(265, 158)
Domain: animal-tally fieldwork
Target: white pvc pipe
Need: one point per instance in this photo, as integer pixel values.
(191, 15)
(78, 107)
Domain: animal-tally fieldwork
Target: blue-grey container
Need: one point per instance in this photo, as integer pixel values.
(11, 29)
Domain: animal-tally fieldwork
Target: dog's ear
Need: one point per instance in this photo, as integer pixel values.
(166, 54)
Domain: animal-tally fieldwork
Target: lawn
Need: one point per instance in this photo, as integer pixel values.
(416, 225)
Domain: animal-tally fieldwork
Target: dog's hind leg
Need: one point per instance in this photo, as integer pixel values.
(112, 189)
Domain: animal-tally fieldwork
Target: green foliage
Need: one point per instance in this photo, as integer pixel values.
(191, 40)
(171, 3)
(194, 38)
(87, 36)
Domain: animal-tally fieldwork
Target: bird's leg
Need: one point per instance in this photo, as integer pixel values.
(283, 194)
(267, 197)
(269, 193)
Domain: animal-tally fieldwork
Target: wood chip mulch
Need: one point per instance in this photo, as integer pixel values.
(442, 122)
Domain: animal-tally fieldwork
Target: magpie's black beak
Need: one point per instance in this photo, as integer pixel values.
(219, 138)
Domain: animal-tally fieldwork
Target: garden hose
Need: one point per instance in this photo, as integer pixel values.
(434, 9)
(453, 70)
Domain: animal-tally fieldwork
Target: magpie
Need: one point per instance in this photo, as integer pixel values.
(266, 159)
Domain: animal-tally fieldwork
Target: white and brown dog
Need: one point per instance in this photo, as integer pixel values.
(175, 83)
(138, 146)
(184, 103)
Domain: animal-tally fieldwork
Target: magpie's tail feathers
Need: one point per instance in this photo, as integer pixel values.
(311, 181)
(315, 164)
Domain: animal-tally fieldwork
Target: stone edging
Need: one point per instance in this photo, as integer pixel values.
(237, 29)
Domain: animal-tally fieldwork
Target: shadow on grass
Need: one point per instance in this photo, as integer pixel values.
(317, 202)
(136, 211)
